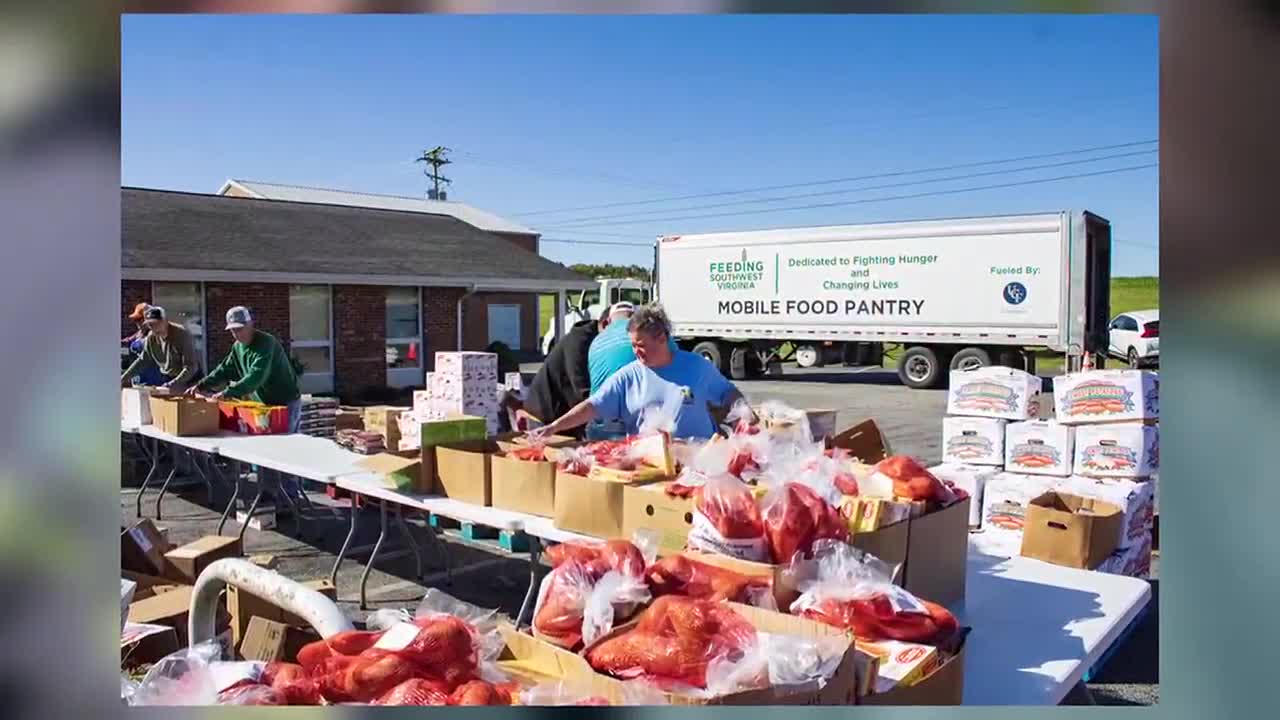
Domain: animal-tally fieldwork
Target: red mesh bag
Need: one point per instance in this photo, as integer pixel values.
(620, 555)
(480, 692)
(727, 521)
(416, 691)
(530, 453)
(794, 517)
(250, 693)
(679, 575)
(674, 641)
(912, 481)
(366, 678)
(876, 618)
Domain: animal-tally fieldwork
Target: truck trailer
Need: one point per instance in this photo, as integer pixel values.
(953, 293)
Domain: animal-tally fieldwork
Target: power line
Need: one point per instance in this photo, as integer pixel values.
(575, 222)
(833, 181)
(845, 203)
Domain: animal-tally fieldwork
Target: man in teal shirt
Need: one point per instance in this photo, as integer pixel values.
(257, 368)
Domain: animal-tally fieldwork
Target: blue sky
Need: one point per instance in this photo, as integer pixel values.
(550, 113)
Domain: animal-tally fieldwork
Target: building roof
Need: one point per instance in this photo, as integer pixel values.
(297, 193)
(192, 236)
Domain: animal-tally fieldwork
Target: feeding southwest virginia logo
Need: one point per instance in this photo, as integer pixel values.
(1096, 397)
(968, 447)
(1034, 454)
(1110, 457)
(986, 396)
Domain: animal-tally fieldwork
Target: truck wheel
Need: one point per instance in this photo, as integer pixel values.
(710, 349)
(919, 368)
(739, 361)
(808, 356)
(971, 358)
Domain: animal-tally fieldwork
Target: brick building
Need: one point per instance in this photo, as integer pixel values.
(363, 296)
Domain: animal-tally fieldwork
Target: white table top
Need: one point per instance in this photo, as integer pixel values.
(203, 443)
(305, 456)
(543, 528)
(1038, 627)
(371, 485)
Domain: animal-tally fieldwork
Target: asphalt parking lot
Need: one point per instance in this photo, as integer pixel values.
(485, 575)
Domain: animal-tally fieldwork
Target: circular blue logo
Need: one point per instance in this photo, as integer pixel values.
(1015, 293)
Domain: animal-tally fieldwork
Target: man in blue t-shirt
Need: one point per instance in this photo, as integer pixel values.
(678, 381)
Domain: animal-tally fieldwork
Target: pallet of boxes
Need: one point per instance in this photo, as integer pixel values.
(784, 536)
(1021, 449)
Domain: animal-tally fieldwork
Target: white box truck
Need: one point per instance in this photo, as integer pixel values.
(959, 293)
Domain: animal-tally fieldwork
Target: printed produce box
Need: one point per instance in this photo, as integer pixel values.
(973, 440)
(994, 392)
(1039, 447)
(1098, 396)
(970, 478)
(1004, 508)
(1117, 450)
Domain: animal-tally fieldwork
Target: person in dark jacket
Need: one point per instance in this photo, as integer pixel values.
(564, 380)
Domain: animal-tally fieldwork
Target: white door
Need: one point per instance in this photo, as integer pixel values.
(504, 325)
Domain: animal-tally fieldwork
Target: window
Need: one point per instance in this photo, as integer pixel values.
(309, 323)
(635, 296)
(183, 303)
(404, 328)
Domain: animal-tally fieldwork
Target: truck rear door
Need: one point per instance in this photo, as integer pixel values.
(1097, 283)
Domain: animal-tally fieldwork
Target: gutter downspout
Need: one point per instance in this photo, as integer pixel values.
(470, 291)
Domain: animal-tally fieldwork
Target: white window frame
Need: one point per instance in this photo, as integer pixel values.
(406, 376)
(204, 316)
(311, 381)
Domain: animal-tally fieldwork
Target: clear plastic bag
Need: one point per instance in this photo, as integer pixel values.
(127, 690)
(182, 678)
(784, 421)
(562, 601)
(614, 598)
(912, 481)
(777, 661)
(251, 695)
(727, 521)
(845, 587)
(741, 419)
(564, 693)
(575, 460)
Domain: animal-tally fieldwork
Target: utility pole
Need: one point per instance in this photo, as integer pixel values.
(436, 159)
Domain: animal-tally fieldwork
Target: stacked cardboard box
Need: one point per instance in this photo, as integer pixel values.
(463, 383)
(319, 416)
(361, 441)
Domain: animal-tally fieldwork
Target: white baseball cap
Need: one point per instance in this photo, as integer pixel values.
(621, 307)
(238, 317)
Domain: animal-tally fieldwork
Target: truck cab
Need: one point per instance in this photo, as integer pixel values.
(590, 304)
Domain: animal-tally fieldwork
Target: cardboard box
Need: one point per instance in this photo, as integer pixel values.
(243, 606)
(648, 507)
(272, 641)
(148, 585)
(135, 406)
(1070, 530)
(531, 658)
(383, 419)
(1004, 507)
(820, 423)
(461, 471)
(184, 416)
(944, 686)
(589, 506)
(890, 543)
(902, 664)
(403, 471)
(973, 440)
(1133, 561)
(527, 486)
(970, 478)
(168, 609)
(1136, 499)
(142, 549)
(1039, 447)
(864, 441)
(1107, 396)
(937, 557)
(994, 392)
(187, 562)
(144, 644)
(1117, 450)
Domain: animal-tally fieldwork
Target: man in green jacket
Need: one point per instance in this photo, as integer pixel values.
(167, 349)
(257, 368)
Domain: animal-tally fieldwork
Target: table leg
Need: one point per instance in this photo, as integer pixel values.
(535, 572)
(443, 547)
(253, 506)
(333, 576)
(235, 495)
(382, 535)
(413, 544)
(155, 465)
(288, 499)
(165, 487)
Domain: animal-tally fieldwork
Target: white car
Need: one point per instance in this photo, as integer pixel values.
(1135, 337)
